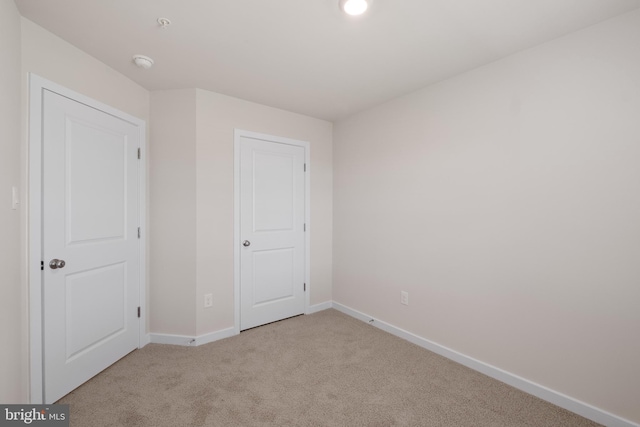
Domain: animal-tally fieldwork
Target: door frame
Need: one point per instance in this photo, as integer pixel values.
(37, 85)
(237, 135)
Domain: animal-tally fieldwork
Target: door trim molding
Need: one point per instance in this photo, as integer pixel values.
(237, 134)
(37, 85)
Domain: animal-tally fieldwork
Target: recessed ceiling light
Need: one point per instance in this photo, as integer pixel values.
(143, 61)
(354, 7)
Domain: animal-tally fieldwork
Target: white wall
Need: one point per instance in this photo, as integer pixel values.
(506, 201)
(172, 174)
(12, 321)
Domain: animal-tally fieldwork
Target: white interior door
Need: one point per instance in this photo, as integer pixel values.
(90, 220)
(272, 231)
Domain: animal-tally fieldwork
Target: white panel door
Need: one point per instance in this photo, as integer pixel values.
(90, 221)
(272, 212)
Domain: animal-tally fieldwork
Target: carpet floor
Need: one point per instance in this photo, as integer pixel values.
(325, 369)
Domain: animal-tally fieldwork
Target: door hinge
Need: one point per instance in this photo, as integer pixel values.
(41, 265)
(138, 311)
(304, 228)
(305, 167)
(138, 232)
(139, 154)
(304, 288)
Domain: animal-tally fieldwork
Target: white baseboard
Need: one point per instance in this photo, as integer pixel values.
(183, 340)
(319, 307)
(215, 336)
(192, 341)
(544, 393)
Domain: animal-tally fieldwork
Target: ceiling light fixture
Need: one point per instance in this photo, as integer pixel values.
(354, 7)
(143, 61)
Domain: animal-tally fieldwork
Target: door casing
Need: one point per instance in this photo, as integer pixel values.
(238, 134)
(36, 86)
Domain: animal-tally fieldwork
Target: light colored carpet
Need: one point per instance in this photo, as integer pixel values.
(325, 369)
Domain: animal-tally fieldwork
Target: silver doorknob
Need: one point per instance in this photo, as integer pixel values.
(246, 243)
(57, 263)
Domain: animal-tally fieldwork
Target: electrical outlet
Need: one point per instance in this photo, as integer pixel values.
(208, 300)
(404, 297)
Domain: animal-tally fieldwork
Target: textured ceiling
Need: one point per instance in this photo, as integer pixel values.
(304, 55)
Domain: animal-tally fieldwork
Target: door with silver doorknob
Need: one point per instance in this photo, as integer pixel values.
(90, 208)
(272, 231)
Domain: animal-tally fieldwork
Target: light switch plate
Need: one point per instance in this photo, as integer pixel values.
(14, 197)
